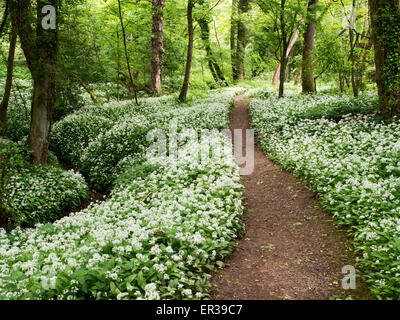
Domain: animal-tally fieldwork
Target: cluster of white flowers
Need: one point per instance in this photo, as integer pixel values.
(71, 136)
(97, 138)
(159, 235)
(40, 194)
(352, 159)
(37, 194)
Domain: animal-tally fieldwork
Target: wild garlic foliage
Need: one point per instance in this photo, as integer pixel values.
(351, 158)
(167, 224)
(35, 194)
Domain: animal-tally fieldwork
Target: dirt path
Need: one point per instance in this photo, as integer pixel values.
(290, 250)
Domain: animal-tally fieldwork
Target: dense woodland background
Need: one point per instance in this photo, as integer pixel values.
(152, 47)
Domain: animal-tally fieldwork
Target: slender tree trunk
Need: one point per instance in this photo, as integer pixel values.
(118, 64)
(205, 37)
(293, 40)
(212, 61)
(220, 60)
(347, 81)
(359, 62)
(341, 84)
(87, 89)
(126, 52)
(352, 53)
(233, 32)
(385, 22)
(298, 76)
(4, 19)
(10, 69)
(353, 63)
(241, 39)
(308, 84)
(363, 63)
(185, 86)
(282, 75)
(284, 50)
(157, 47)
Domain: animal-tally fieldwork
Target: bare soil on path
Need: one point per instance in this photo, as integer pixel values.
(291, 248)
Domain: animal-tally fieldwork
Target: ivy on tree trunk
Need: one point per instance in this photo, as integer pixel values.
(385, 22)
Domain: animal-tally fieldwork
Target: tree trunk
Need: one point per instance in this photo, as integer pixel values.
(157, 47)
(212, 62)
(43, 88)
(243, 8)
(298, 76)
(293, 40)
(363, 64)
(385, 23)
(347, 81)
(40, 50)
(118, 64)
(353, 63)
(5, 16)
(42, 110)
(352, 53)
(185, 86)
(126, 53)
(87, 89)
(8, 86)
(233, 32)
(308, 84)
(282, 75)
(341, 84)
(284, 50)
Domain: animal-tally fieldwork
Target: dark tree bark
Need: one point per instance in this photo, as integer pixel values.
(385, 23)
(185, 86)
(40, 50)
(9, 79)
(157, 47)
(243, 7)
(308, 84)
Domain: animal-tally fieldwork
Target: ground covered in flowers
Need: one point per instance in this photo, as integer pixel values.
(36, 194)
(167, 224)
(351, 158)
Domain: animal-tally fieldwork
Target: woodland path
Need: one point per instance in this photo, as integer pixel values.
(290, 249)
